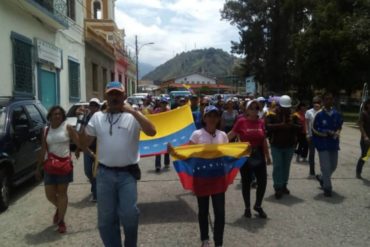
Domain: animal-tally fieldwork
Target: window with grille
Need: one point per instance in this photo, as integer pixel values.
(74, 80)
(22, 64)
(71, 13)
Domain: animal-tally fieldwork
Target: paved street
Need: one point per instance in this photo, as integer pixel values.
(169, 215)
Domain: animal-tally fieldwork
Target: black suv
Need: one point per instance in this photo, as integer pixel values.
(21, 124)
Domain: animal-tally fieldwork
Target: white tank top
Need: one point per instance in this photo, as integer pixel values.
(58, 140)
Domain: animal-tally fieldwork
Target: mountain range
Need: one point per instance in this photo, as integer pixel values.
(211, 62)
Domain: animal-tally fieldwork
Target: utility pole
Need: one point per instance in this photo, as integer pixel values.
(137, 64)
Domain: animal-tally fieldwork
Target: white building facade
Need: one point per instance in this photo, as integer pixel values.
(195, 79)
(43, 51)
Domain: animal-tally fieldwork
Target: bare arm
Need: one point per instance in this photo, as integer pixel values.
(231, 135)
(85, 139)
(266, 152)
(73, 136)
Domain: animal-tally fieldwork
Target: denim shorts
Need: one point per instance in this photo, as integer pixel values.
(50, 179)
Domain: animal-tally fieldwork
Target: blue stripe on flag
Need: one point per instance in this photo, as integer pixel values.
(155, 146)
(199, 167)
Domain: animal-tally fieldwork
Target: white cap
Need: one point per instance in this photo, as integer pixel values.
(259, 99)
(285, 101)
(95, 100)
(250, 103)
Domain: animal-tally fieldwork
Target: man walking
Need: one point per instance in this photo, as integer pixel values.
(310, 116)
(117, 133)
(326, 130)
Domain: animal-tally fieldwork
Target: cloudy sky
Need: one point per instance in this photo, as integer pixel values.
(174, 26)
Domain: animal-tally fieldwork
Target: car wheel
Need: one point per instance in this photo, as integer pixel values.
(4, 191)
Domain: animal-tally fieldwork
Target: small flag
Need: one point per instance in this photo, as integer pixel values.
(208, 169)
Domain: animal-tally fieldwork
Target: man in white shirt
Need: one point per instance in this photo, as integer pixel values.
(310, 116)
(117, 134)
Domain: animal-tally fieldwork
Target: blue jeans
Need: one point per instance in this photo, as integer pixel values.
(328, 164)
(117, 199)
(281, 159)
(88, 168)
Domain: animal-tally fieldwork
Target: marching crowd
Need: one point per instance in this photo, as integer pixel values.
(274, 128)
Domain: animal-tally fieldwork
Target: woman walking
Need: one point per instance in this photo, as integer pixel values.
(229, 116)
(251, 129)
(302, 147)
(364, 124)
(55, 143)
(210, 134)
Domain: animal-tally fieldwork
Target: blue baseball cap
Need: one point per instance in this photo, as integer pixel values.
(114, 85)
(209, 109)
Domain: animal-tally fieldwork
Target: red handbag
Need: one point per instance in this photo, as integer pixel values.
(56, 165)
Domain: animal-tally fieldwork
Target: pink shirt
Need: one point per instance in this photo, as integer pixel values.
(201, 136)
(252, 131)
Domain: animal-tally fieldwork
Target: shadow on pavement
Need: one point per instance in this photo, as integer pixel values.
(84, 203)
(166, 212)
(287, 200)
(21, 190)
(252, 225)
(366, 181)
(335, 199)
(47, 235)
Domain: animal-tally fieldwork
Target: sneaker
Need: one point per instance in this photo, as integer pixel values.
(167, 166)
(157, 170)
(55, 218)
(205, 243)
(62, 227)
(286, 191)
(358, 175)
(327, 193)
(247, 213)
(318, 178)
(278, 194)
(260, 212)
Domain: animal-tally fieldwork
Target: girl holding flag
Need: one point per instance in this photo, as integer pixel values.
(209, 134)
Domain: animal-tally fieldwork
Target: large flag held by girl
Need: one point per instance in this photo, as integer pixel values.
(208, 169)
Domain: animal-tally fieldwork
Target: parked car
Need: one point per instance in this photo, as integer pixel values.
(135, 100)
(21, 124)
(174, 94)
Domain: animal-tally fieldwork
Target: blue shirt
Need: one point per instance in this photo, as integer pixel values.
(326, 121)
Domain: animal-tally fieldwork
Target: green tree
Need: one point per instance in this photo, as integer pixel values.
(266, 29)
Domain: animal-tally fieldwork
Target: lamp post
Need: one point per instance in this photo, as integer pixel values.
(137, 50)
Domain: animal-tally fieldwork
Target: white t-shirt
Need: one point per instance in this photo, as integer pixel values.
(58, 140)
(310, 116)
(201, 136)
(122, 147)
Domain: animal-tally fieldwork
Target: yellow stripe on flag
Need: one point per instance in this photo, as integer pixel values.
(212, 151)
(169, 122)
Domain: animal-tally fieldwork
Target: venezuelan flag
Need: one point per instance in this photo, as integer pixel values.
(174, 126)
(208, 169)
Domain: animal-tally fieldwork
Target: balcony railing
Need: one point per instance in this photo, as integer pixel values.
(54, 10)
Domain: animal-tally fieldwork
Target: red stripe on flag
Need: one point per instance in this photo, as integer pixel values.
(207, 186)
